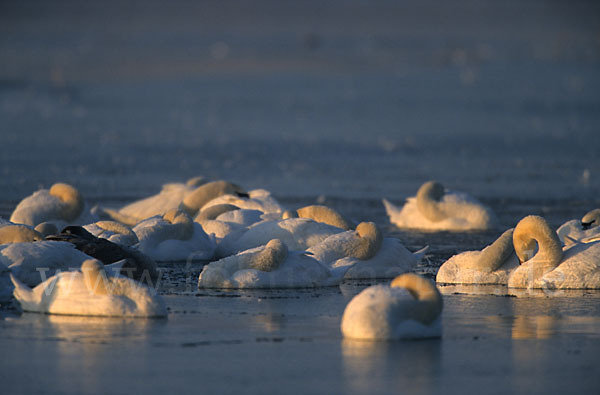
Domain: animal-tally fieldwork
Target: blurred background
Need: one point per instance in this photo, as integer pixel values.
(355, 99)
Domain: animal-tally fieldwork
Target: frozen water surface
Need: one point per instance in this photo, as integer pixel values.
(340, 102)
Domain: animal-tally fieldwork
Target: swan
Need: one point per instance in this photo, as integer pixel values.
(320, 213)
(134, 264)
(298, 234)
(268, 266)
(492, 265)
(552, 266)
(113, 231)
(224, 219)
(62, 204)
(367, 251)
(189, 197)
(586, 228)
(90, 291)
(174, 237)
(437, 209)
(409, 308)
(256, 199)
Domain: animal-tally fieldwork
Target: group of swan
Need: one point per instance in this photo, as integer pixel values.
(262, 245)
(530, 256)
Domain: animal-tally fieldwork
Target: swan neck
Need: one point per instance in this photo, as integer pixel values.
(534, 229)
(182, 223)
(370, 240)
(196, 199)
(95, 278)
(71, 198)
(425, 292)
(325, 215)
(271, 257)
(493, 256)
(428, 198)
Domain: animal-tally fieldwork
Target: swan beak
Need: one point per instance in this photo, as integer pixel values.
(587, 225)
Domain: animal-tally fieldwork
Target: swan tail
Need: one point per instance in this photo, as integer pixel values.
(23, 293)
(421, 253)
(390, 208)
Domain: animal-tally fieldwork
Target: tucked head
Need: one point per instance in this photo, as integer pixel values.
(424, 291)
(324, 214)
(591, 219)
(194, 201)
(72, 199)
(428, 197)
(16, 233)
(94, 277)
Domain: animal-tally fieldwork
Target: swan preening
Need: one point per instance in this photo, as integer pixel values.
(544, 262)
(409, 308)
(435, 208)
(90, 291)
(575, 266)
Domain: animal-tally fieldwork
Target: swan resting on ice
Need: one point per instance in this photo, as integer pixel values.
(409, 308)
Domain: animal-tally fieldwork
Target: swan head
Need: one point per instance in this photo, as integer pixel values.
(17, 233)
(196, 199)
(533, 233)
(591, 219)
(72, 200)
(371, 239)
(271, 257)
(324, 214)
(424, 291)
(428, 197)
(183, 222)
(196, 181)
(46, 228)
(94, 277)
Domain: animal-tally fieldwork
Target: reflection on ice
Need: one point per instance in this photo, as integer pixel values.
(410, 364)
(502, 290)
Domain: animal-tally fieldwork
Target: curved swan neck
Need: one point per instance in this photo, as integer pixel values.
(182, 223)
(494, 255)
(369, 242)
(195, 200)
(196, 182)
(533, 229)
(16, 233)
(324, 214)
(591, 219)
(428, 197)
(94, 277)
(424, 291)
(271, 257)
(72, 199)
(213, 212)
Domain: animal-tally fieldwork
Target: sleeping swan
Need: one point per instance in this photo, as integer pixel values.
(409, 308)
(268, 266)
(367, 251)
(586, 228)
(435, 208)
(174, 237)
(189, 197)
(492, 265)
(62, 204)
(90, 291)
(552, 266)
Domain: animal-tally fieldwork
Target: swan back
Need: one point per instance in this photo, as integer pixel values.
(17, 233)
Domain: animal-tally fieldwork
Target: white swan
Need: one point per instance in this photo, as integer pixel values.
(174, 237)
(586, 228)
(297, 234)
(90, 291)
(268, 266)
(256, 199)
(552, 266)
(435, 208)
(189, 197)
(492, 265)
(62, 204)
(367, 251)
(409, 308)
(113, 231)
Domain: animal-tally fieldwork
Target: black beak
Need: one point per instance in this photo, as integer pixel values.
(587, 225)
